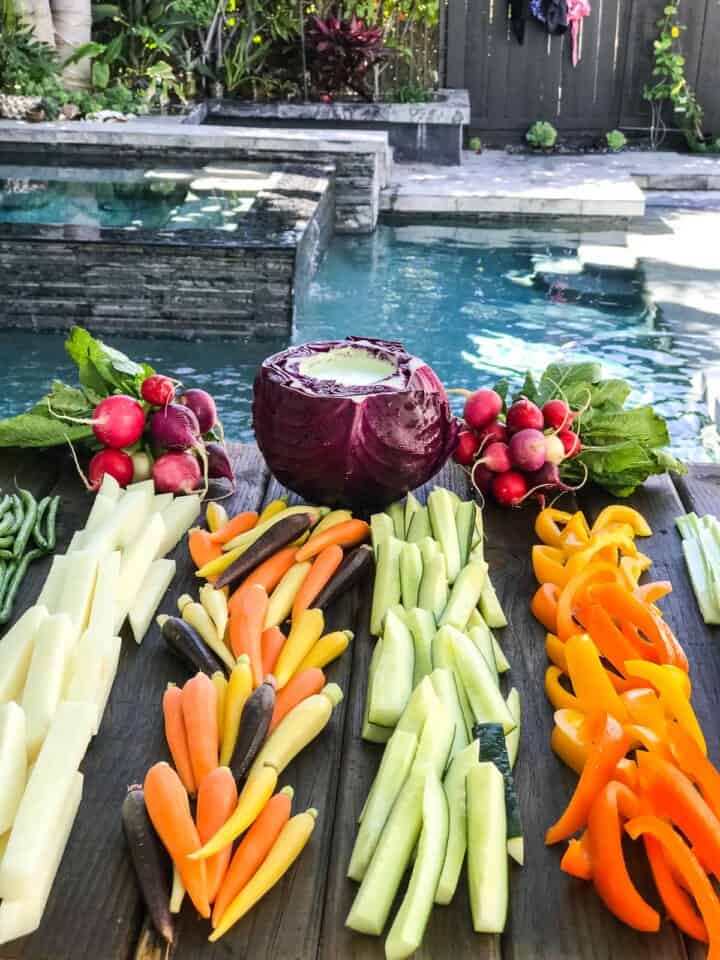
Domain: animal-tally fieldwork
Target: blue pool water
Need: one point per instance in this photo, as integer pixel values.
(476, 304)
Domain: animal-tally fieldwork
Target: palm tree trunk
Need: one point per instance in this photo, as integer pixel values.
(37, 14)
(73, 29)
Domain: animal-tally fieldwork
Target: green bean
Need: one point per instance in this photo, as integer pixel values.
(7, 555)
(38, 535)
(17, 514)
(7, 521)
(5, 504)
(3, 572)
(51, 531)
(12, 584)
(29, 504)
(7, 577)
(6, 542)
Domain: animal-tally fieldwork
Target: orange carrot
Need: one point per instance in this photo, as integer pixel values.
(346, 534)
(202, 549)
(176, 736)
(299, 687)
(240, 523)
(324, 566)
(268, 575)
(217, 798)
(253, 849)
(246, 628)
(199, 707)
(271, 643)
(169, 809)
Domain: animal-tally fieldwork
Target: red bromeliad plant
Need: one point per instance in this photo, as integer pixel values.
(342, 52)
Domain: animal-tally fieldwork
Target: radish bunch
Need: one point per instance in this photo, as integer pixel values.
(518, 455)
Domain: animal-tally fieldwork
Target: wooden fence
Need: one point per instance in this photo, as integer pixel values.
(512, 85)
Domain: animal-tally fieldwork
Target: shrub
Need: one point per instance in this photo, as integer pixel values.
(542, 135)
(342, 53)
(615, 140)
(475, 144)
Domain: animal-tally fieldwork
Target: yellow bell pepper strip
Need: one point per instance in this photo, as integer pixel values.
(647, 739)
(570, 740)
(631, 570)
(544, 605)
(684, 862)
(678, 904)
(674, 796)
(239, 688)
(576, 534)
(624, 607)
(694, 764)
(610, 641)
(645, 708)
(549, 565)
(548, 523)
(672, 695)
(609, 872)
(608, 545)
(576, 859)
(589, 679)
(284, 852)
(652, 592)
(574, 592)
(556, 693)
(610, 746)
(619, 513)
(555, 650)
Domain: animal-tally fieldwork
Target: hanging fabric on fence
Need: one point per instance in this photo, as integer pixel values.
(577, 11)
(518, 17)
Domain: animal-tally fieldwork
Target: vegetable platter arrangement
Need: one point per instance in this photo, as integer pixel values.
(624, 722)
(57, 667)
(445, 786)
(701, 548)
(134, 423)
(27, 532)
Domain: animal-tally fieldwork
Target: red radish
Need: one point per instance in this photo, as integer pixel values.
(115, 462)
(496, 457)
(142, 466)
(176, 473)
(158, 390)
(218, 462)
(509, 488)
(556, 414)
(524, 415)
(527, 449)
(203, 406)
(175, 428)
(554, 449)
(571, 443)
(548, 478)
(482, 478)
(481, 408)
(494, 432)
(118, 421)
(467, 447)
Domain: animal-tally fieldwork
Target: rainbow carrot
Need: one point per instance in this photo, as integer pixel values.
(240, 523)
(271, 643)
(199, 707)
(303, 685)
(347, 534)
(246, 628)
(217, 799)
(324, 566)
(268, 575)
(176, 736)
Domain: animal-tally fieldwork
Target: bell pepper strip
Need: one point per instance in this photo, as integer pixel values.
(680, 659)
(652, 592)
(609, 872)
(673, 795)
(574, 592)
(678, 904)
(607, 540)
(555, 650)
(695, 765)
(556, 693)
(626, 772)
(549, 565)
(619, 513)
(645, 708)
(682, 678)
(610, 641)
(610, 746)
(545, 604)
(623, 606)
(570, 739)
(576, 860)
(590, 680)
(548, 523)
(646, 651)
(576, 534)
(647, 739)
(683, 860)
(672, 695)
(623, 684)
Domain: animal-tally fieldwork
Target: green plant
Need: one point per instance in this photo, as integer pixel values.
(408, 93)
(343, 52)
(542, 135)
(615, 140)
(25, 63)
(475, 144)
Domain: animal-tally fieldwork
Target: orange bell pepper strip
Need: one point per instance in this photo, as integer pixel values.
(607, 540)
(673, 696)
(576, 859)
(549, 565)
(619, 513)
(575, 591)
(570, 739)
(678, 904)
(673, 795)
(623, 684)
(555, 650)
(646, 651)
(610, 641)
(694, 764)
(647, 739)
(548, 523)
(609, 872)
(556, 693)
(544, 605)
(626, 772)
(576, 534)
(644, 707)
(623, 606)
(610, 746)
(654, 591)
(679, 657)
(683, 860)
(589, 679)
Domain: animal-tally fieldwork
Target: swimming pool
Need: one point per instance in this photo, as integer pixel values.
(476, 303)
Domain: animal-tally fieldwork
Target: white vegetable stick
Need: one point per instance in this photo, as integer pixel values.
(20, 917)
(121, 528)
(3, 843)
(110, 667)
(154, 588)
(54, 582)
(13, 762)
(43, 805)
(16, 652)
(76, 542)
(87, 682)
(136, 518)
(178, 517)
(136, 561)
(110, 488)
(161, 501)
(102, 610)
(142, 486)
(102, 508)
(45, 677)
(78, 589)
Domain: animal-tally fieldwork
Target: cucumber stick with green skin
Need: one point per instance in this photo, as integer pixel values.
(465, 524)
(443, 655)
(512, 739)
(411, 569)
(435, 742)
(446, 687)
(501, 661)
(408, 928)
(381, 528)
(455, 791)
(483, 641)
(490, 607)
(486, 701)
(433, 593)
(371, 731)
(487, 850)
(422, 627)
(429, 549)
(441, 506)
(419, 526)
(412, 506)
(392, 683)
(386, 591)
(396, 512)
(464, 596)
(494, 750)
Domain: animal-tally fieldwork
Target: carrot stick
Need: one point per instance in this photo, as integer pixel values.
(324, 566)
(217, 798)
(271, 643)
(240, 523)
(246, 628)
(299, 687)
(253, 849)
(202, 549)
(169, 809)
(347, 534)
(199, 706)
(268, 575)
(176, 736)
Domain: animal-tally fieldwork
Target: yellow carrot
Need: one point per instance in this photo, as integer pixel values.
(215, 516)
(197, 616)
(216, 604)
(220, 683)
(217, 565)
(304, 634)
(239, 688)
(327, 649)
(284, 852)
(275, 506)
(283, 596)
(246, 539)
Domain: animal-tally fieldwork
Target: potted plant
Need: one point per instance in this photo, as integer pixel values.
(615, 140)
(542, 136)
